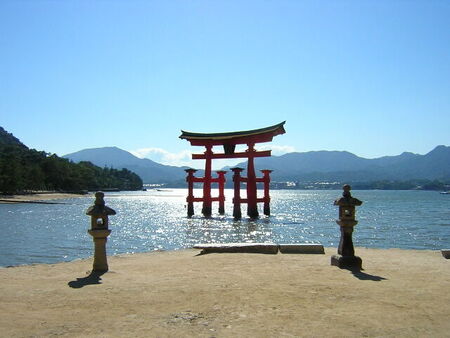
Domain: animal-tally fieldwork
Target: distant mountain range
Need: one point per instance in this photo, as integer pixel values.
(344, 166)
(313, 166)
(148, 170)
(340, 166)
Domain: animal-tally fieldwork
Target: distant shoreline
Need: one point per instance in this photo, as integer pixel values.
(39, 198)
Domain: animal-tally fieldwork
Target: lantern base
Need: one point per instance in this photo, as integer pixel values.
(100, 260)
(347, 262)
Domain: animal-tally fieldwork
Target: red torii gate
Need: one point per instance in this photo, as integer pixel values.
(229, 141)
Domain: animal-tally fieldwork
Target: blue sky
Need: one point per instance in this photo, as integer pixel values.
(369, 77)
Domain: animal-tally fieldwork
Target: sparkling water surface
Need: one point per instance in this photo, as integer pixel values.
(156, 220)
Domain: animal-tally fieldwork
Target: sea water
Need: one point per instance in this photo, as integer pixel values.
(156, 220)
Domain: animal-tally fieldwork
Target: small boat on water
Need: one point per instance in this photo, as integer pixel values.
(445, 192)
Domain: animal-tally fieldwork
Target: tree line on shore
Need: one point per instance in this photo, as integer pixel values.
(23, 169)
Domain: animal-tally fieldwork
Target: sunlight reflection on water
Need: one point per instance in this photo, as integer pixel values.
(156, 220)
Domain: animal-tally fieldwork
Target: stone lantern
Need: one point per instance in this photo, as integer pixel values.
(346, 253)
(99, 213)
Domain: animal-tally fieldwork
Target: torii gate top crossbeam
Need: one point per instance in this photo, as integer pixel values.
(233, 138)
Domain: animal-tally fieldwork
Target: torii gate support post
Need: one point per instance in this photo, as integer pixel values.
(221, 181)
(190, 197)
(252, 207)
(207, 202)
(266, 182)
(237, 193)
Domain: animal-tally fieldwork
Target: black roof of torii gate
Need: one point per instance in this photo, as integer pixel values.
(236, 137)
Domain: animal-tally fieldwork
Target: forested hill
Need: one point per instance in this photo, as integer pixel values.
(9, 139)
(23, 169)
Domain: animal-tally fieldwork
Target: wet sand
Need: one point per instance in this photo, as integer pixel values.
(400, 293)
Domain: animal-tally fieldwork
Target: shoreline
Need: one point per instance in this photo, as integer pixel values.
(399, 293)
(38, 197)
(200, 252)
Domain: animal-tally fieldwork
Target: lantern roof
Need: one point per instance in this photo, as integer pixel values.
(98, 211)
(99, 208)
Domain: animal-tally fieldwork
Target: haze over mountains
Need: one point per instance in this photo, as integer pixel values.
(303, 167)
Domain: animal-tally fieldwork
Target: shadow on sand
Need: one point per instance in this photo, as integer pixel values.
(365, 276)
(91, 279)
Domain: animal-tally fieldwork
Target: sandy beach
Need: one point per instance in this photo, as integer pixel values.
(400, 293)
